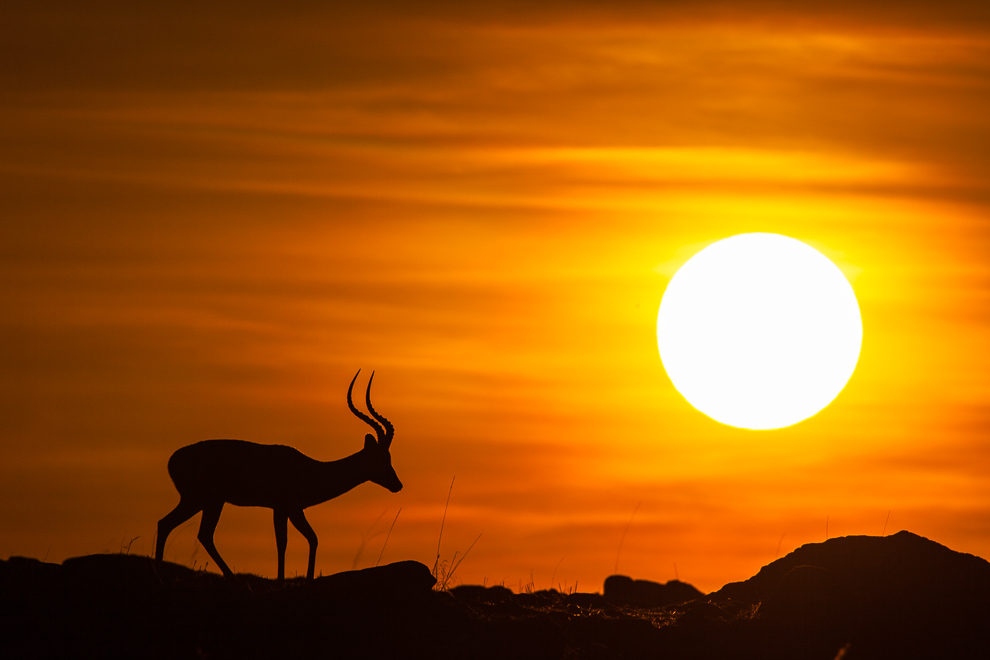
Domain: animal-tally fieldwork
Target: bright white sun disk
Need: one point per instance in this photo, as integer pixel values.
(759, 331)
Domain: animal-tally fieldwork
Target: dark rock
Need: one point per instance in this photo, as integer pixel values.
(620, 637)
(587, 601)
(29, 578)
(32, 607)
(398, 579)
(550, 595)
(807, 592)
(623, 590)
(478, 593)
(542, 598)
(903, 561)
(896, 596)
(701, 615)
(114, 576)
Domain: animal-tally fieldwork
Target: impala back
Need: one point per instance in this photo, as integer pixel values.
(243, 473)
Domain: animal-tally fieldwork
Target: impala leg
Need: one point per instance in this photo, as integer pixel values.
(281, 540)
(299, 521)
(180, 514)
(208, 525)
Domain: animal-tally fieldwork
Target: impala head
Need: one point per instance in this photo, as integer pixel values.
(376, 449)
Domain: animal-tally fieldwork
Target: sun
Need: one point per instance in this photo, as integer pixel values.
(759, 331)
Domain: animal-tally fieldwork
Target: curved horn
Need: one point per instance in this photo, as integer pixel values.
(378, 429)
(389, 429)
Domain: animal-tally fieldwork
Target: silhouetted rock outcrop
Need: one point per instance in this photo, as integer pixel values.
(623, 590)
(389, 581)
(901, 595)
(130, 606)
(475, 592)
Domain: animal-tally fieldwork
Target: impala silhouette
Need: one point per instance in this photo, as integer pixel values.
(211, 473)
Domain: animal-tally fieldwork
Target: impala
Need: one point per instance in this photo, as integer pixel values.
(211, 473)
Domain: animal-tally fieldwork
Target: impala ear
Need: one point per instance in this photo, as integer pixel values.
(370, 443)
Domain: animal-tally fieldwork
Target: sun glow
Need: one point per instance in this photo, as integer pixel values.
(759, 331)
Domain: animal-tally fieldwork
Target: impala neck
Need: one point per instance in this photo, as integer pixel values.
(337, 477)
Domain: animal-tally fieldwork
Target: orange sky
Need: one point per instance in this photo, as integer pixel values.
(211, 220)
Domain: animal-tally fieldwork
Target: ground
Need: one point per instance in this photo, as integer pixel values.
(900, 596)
